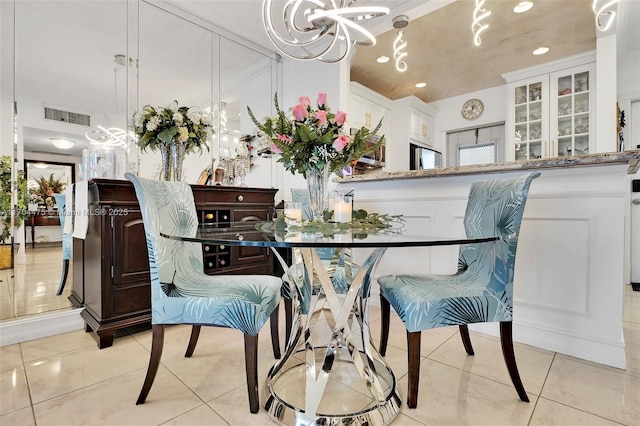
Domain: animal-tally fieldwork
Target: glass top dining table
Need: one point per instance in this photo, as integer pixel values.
(331, 373)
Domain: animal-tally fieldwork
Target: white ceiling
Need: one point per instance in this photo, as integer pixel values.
(441, 51)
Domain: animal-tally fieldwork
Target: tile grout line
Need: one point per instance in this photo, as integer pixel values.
(544, 382)
(26, 379)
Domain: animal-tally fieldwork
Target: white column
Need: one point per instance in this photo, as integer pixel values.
(606, 94)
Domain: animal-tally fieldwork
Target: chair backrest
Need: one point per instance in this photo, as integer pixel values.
(67, 238)
(300, 195)
(495, 207)
(168, 207)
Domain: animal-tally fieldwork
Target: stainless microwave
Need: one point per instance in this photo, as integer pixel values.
(423, 158)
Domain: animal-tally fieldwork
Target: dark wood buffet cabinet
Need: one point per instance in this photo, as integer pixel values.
(111, 267)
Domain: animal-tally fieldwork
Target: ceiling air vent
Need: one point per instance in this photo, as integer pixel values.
(67, 116)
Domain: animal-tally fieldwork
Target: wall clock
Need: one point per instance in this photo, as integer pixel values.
(472, 109)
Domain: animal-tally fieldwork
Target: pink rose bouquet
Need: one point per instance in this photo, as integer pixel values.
(314, 137)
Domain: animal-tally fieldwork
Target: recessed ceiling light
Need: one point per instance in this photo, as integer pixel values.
(541, 50)
(421, 85)
(62, 143)
(523, 6)
(382, 59)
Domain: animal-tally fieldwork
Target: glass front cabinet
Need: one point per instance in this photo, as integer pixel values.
(571, 111)
(551, 115)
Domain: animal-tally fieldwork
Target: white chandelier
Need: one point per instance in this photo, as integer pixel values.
(478, 27)
(399, 44)
(398, 54)
(606, 15)
(317, 29)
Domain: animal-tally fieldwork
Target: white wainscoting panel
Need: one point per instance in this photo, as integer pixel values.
(569, 273)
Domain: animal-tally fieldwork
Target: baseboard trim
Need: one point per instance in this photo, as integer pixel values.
(36, 327)
(591, 350)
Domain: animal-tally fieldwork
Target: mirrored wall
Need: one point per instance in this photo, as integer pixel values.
(72, 67)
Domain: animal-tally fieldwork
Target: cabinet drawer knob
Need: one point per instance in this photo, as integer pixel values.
(206, 248)
(240, 198)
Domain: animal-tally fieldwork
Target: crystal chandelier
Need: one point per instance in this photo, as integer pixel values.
(478, 27)
(602, 14)
(319, 29)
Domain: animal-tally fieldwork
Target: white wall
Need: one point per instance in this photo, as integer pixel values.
(6, 77)
(449, 117)
(308, 78)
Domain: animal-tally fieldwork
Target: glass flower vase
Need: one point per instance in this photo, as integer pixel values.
(177, 158)
(165, 157)
(317, 184)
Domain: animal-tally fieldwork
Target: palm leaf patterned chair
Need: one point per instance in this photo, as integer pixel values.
(340, 280)
(182, 294)
(480, 291)
(67, 240)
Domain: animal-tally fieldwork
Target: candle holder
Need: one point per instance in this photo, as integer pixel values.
(293, 213)
(343, 208)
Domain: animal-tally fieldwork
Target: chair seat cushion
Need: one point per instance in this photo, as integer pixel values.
(430, 301)
(243, 302)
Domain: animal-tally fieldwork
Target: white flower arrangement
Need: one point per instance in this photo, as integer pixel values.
(157, 126)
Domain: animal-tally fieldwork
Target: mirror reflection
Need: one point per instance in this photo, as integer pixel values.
(85, 67)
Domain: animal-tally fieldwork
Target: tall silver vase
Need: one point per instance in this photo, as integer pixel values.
(165, 156)
(317, 184)
(177, 157)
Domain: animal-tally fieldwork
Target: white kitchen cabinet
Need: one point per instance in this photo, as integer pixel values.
(572, 110)
(412, 122)
(551, 114)
(367, 108)
(421, 127)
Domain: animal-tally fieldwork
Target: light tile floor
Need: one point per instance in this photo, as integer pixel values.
(66, 380)
(33, 289)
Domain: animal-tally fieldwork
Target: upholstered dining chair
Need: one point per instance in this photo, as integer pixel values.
(182, 294)
(67, 240)
(480, 291)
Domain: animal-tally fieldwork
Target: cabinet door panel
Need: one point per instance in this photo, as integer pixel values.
(131, 299)
(129, 249)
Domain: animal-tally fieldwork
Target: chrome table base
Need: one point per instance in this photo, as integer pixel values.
(331, 374)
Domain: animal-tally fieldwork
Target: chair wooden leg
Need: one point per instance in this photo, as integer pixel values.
(251, 367)
(275, 333)
(157, 343)
(288, 320)
(193, 341)
(413, 347)
(385, 309)
(506, 339)
(63, 277)
(466, 340)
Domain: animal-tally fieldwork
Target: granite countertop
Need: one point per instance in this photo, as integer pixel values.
(632, 158)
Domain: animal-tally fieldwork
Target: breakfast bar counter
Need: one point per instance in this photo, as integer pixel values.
(631, 158)
(573, 252)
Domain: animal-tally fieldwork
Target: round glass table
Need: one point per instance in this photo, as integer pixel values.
(330, 373)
